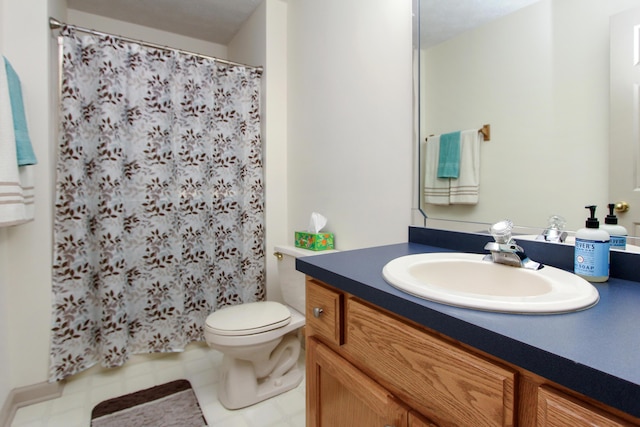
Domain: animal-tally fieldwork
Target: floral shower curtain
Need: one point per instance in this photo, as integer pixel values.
(159, 210)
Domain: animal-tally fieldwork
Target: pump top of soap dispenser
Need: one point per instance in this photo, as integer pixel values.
(611, 218)
(592, 221)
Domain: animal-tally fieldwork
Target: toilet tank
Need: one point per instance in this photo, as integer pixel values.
(291, 280)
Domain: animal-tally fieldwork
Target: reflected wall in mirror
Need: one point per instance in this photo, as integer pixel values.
(540, 77)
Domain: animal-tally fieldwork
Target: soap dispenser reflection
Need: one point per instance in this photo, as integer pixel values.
(617, 232)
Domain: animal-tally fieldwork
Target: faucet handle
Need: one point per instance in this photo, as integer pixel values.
(501, 231)
(555, 230)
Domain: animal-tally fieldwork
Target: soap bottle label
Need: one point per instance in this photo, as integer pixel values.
(591, 258)
(618, 242)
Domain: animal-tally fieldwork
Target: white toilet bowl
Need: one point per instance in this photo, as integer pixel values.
(261, 347)
(260, 340)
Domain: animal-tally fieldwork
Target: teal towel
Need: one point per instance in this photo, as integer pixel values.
(24, 150)
(449, 156)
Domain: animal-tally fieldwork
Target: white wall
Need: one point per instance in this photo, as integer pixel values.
(263, 41)
(26, 249)
(350, 118)
(139, 32)
(276, 138)
(540, 77)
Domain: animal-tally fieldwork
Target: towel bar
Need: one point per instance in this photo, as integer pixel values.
(485, 130)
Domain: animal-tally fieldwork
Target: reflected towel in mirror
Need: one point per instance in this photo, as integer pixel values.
(436, 190)
(449, 155)
(465, 189)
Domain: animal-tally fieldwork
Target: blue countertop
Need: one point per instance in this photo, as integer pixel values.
(595, 352)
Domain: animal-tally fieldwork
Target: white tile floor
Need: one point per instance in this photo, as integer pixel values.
(198, 364)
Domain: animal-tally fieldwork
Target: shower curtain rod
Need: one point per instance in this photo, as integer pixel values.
(54, 24)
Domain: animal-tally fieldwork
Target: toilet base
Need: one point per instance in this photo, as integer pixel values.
(240, 386)
(265, 390)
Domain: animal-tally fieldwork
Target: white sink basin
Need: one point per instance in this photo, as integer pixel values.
(466, 280)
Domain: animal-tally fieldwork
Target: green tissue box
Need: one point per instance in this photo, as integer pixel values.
(314, 241)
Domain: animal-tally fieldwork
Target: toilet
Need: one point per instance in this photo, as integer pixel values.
(259, 340)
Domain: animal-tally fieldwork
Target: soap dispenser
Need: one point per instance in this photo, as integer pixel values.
(591, 258)
(617, 232)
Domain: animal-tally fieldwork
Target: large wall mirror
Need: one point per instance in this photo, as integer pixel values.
(539, 75)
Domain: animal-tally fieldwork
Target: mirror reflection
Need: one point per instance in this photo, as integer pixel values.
(539, 76)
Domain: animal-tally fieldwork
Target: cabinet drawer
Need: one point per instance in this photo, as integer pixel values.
(556, 409)
(323, 312)
(446, 383)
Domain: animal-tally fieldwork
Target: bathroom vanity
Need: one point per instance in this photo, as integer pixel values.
(378, 356)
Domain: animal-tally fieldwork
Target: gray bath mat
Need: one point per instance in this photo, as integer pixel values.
(172, 404)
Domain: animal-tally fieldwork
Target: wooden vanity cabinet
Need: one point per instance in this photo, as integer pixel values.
(556, 409)
(344, 396)
(415, 420)
(395, 373)
(323, 312)
(368, 367)
(448, 384)
(340, 395)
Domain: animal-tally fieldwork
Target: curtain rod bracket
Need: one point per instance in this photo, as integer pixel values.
(54, 24)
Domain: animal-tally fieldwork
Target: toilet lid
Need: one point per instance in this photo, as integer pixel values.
(249, 318)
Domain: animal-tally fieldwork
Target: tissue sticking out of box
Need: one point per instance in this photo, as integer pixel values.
(312, 238)
(316, 223)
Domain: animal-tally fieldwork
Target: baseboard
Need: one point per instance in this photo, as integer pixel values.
(28, 395)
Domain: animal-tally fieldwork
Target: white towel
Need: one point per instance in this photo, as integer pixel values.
(465, 189)
(16, 183)
(436, 190)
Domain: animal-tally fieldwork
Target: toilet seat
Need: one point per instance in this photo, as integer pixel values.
(271, 332)
(248, 319)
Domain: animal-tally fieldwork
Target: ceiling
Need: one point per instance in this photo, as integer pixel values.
(215, 21)
(445, 19)
(218, 21)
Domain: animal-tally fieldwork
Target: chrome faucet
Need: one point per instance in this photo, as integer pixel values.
(505, 250)
(554, 231)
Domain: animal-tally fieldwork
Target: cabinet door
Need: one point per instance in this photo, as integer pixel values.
(339, 395)
(449, 384)
(558, 410)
